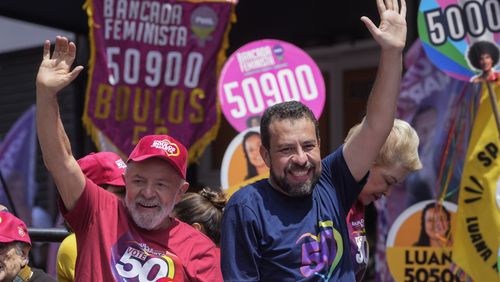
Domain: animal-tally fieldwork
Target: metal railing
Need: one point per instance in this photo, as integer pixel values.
(48, 234)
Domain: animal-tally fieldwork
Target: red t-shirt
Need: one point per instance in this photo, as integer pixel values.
(111, 247)
(357, 237)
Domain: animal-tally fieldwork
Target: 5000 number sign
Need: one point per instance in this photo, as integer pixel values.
(455, 22)
(448, 28)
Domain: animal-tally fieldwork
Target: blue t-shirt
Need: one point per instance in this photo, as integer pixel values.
(269, 236)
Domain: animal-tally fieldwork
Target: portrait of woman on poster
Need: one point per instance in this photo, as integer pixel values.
(483, 56)
(435, 227)
(251, 146)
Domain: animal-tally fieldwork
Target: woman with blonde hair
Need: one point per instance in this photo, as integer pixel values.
(396, 159)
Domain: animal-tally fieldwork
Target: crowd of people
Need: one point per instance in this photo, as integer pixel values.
(132, 220)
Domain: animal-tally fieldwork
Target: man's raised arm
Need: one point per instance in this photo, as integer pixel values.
(53, 75)
(361, 150)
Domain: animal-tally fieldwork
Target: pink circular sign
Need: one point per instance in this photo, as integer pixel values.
(266, 72)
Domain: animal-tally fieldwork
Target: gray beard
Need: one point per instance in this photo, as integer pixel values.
(146, 221)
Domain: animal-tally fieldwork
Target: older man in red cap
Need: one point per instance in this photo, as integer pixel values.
(15, 245)
(130, 240)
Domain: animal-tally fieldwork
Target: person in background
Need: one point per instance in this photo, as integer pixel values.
(292, 225)
(120, 240)
(255, 164)
(106, 169)
(202, 210)
(397, 158)
(15, 245)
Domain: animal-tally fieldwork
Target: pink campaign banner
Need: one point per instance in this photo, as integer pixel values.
(266, 72)
(153, 70)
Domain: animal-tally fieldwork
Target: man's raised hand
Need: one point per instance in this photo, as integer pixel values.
(391, 33)
(54, 73)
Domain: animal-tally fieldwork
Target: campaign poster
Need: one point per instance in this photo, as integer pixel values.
(242, 163)
(419, 245)
(462, 38)
(153, 69)
(266, 72)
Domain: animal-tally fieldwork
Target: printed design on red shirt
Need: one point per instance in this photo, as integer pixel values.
(136, 261)
(321, 253)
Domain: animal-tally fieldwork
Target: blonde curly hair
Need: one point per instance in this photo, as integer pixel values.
(400, 147)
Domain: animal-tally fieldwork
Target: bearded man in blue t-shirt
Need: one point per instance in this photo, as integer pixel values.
(292, 226)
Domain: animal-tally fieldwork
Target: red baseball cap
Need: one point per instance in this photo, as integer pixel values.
(161, 146)
(12, 229)
(103, 168)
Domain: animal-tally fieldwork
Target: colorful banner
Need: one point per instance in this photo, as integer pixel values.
(449, 28)
(478, 218)
(153, 70)
(266, 72)
(242, 163)
(17, 166)
(441, 109)
(419, 243)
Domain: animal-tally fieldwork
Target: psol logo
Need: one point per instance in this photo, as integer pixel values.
(171, 149)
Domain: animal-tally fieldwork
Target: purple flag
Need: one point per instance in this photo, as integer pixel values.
(153, 70)
(17, 165)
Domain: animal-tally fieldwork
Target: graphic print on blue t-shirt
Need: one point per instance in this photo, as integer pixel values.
(322, 251)
(136, 261)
